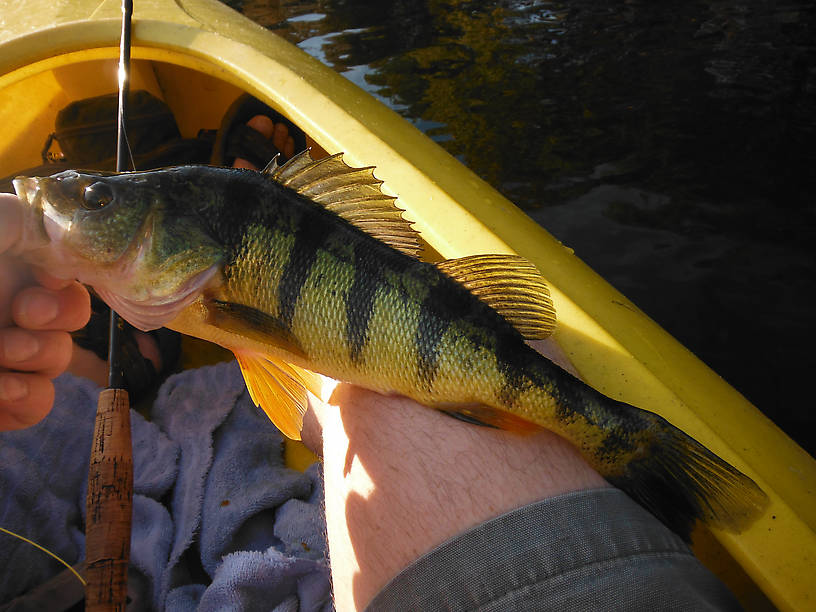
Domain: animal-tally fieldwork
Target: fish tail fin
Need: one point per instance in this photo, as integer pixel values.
(680, 481)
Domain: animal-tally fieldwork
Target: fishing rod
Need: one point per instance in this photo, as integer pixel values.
(109, 504)
(116, 376)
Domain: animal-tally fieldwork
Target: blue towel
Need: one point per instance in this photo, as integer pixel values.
(219, 522)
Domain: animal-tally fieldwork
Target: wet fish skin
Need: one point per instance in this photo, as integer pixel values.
(238, 259)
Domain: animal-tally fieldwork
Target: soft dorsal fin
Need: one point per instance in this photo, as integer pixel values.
(352, 193)
(279, 388)
(512, 286)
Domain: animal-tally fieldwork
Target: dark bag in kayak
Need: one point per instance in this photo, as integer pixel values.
(86, 133)
(86, 129)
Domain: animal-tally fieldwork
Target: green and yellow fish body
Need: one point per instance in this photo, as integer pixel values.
(310, 268)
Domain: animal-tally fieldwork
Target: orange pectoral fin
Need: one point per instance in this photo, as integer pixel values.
(250, 323)
(279, 388)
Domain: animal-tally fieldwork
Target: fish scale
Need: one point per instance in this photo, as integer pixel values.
(310, 268)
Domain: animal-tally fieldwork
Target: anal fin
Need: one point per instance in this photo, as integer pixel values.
(479, 414)
(279, 388)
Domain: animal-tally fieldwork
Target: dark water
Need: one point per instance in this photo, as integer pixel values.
(670, 144)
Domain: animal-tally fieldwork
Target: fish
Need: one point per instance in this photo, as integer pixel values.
(310, 268)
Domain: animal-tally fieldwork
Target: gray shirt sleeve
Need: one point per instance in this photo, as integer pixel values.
(588, 550)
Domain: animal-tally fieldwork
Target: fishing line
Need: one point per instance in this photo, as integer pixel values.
(116, 374)
(46, 551)
(129, 150)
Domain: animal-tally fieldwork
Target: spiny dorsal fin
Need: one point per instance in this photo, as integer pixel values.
(352, 193)
(279, 388)
(512, 286)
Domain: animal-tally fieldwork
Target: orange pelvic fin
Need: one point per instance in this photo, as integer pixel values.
(279, 388)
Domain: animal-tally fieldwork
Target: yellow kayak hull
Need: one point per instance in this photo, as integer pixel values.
(198, 56)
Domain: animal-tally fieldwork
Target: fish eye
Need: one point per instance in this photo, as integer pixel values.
(96, 196)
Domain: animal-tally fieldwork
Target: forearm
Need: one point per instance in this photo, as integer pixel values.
(402, 479)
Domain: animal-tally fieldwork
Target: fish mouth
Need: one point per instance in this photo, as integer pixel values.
(26, 187)
(35, 234)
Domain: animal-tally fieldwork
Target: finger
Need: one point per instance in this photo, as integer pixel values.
(13, 277)
(262, 124)
(25, 399)
(49, 281)
(38, 308)
(86, 364)
(44, 352)
(240, 162)
(280, 137)
(11, 220)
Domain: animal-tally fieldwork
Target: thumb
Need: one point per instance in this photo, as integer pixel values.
(11, 221)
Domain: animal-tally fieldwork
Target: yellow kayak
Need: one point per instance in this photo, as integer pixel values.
(200, 56)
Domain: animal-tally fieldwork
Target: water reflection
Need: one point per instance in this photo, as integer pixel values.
(671, 148)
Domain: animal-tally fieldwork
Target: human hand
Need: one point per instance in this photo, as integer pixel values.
(36, 313)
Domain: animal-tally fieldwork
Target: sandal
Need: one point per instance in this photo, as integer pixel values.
(236, 139)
